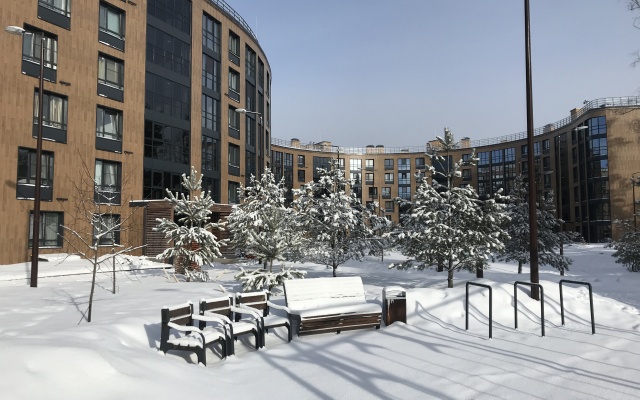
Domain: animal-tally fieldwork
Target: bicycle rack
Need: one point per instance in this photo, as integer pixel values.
(466, 309)
(515, 301)
(593, 324)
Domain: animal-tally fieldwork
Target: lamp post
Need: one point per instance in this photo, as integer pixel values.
(635, 181)
(35, 246)
(260, 139)
(533, 227)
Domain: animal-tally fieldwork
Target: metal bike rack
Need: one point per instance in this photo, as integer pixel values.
(515, 300)
(593, 324)
(466, 307)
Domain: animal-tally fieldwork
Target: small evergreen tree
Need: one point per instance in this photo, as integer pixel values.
(263, 227)
(449, 225)
(336, 222)
(550, 237)
(194, 243)
(627, 247)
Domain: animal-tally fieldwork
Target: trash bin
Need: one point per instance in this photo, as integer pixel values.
(394, 305)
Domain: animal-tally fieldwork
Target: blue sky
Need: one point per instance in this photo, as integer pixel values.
(359, 72)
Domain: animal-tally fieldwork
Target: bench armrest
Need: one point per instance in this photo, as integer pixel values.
(214, 317)
(246, 310)
(278, 307)
(185, 328)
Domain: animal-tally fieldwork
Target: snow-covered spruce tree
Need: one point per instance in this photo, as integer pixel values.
(381, 238)
(550, 237)
(335, 222)
(628, 246)
(449, 225)
(194, 243)
(263, 227)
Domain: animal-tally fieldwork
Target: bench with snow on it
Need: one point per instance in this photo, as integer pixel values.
(178, 332)
(320, 305)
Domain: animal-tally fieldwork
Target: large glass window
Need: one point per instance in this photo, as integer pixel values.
(54, 111)
(251, 131)
(234, 196)
(210, 33)
(234, 156)
(168, 97)
(209, 154)
(234, 122)
(234, 81)
(250, 62)
(176, 13)
(386, 192)
(111, 71)
(404, 192)
(301, 176)
(483, 158)
(369, 164)
(496, 156)
(108, 123)
(50, 228)
(210, 73)
(27, 167)
(598, 147)
(168, 51)
(510, 154)
(388, 163)
(106, 229)
(234, 44)
(388, 177)
(60, 6)
(31, 48)
(404, 178)
(210, 111)
(107, 181)
(404, 164)
(167, 143)
(112, 20)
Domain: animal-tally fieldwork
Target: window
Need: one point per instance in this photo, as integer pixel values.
(524, 149)
(250, 62)
(111, 71)
(156, 182)
(466, 174)
(50, 227)
(234, 48)
(234, 123)
(369, 165)
(496, 156)
(250, 99)
(389, 206)
(167, 97)
(386, 192)
(112, 20)
(176, 13)
(373, 192)
(547, 181)
(404, 164)
(420, 163)
(168, 51)
(545, 146)
(31, 48)
(466, 158)
(483, 158)
(510, 154)
(301, 177)
(234, 156)
(404, 192)
(210, 110)
(234, 196)
(209, 154)
(388, 177)
(108, 123)
(25, 188)
(210, 33)
(54, 110)
(546, 164)
(234, 84)
(536, 149)
(60, 6)
(106, 229)
(167, 143)
(368, 177)
(301, 161)
(388, 163)
(107, 181)
(251, 131)
(598, 147)
(404, 178)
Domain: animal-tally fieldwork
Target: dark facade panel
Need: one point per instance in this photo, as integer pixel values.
(29, 192)
(53, 17)
(109, 145)
(50, 133)
(110, 92)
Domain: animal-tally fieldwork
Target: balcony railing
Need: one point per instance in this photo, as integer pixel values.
(221, 4)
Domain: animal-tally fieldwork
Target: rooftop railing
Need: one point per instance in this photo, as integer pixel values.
(632, 101)
(221, 4)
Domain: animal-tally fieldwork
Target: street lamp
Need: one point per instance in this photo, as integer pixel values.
(533, 227)
(260, 138)
(35, 246)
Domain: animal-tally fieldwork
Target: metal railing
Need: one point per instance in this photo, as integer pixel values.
(515, 301)
(593, 324)
(466, 306)
(221, 4)
(631, 101)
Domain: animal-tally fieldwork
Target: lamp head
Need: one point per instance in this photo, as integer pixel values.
(15, 30)
(241, 110)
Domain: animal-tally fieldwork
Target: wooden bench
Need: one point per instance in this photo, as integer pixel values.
(191, 338)
(260, 302)
(222, 307)
(320, 305)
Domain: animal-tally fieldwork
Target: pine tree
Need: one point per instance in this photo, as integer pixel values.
(449, 225)
(336, 222)
(550, 236)
(194, 243)
(628, 246)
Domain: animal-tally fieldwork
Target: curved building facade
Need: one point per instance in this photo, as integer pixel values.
(135, 92)
(588, 160)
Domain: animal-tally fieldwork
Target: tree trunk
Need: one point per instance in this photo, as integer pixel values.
(479, 271)
(561, 271)
(93, 283)
(519, 267)
(440, 268)
(271, 266)
(450, 278)
(335, 267)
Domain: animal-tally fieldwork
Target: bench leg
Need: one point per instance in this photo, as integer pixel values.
(202, 357)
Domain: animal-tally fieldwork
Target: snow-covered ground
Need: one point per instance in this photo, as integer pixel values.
(48, 351)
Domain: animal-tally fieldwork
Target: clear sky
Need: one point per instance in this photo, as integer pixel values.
(359, 72)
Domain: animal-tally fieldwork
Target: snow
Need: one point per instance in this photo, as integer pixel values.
(47, 350)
